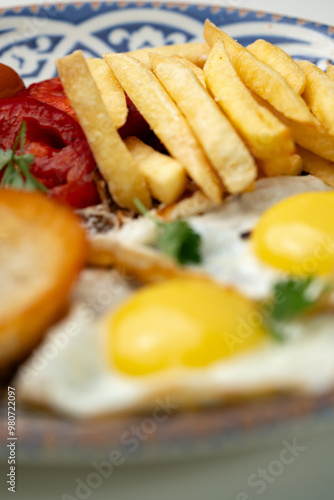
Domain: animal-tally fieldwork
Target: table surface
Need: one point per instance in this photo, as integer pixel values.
(310, 476)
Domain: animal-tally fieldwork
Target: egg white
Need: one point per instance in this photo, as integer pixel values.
(80, 382)
(77, 379)
(226, 256)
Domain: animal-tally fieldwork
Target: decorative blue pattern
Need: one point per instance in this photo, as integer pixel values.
(31, 38)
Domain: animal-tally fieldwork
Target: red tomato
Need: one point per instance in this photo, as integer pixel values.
(51, 92)
(62, 166)
(63, 160)
(137, 125)
(10, 82)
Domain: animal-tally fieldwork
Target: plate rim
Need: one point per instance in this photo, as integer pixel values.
(183, 6)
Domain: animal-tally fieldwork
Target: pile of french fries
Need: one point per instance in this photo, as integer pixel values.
(226, 114)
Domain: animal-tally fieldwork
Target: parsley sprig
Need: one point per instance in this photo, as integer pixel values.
(177, 239)
(16, 165)
(293, 298)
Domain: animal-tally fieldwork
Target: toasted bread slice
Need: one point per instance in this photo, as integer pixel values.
(42, 249)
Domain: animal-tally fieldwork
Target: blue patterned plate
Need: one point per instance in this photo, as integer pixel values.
(31, 38)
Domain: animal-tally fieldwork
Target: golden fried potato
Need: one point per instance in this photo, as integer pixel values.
(165, 176)
(261, 78)
(195, 204)
(166, 120)
(317, 140)
(292, 164)
(315, 165)
(117, 166)
(196, 52)
(110, 89)
(296, 164)
(313, 138)
(195, 69)
(42, 249)
(279, 60)
(319, 94)
(222, 145)
(265, 135)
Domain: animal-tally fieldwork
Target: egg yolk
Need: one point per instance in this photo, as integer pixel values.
(297, 234)
(181, 323)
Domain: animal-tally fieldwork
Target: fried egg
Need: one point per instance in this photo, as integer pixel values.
(193, 339)
(229, 255)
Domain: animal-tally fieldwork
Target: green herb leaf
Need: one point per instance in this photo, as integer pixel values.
(16, 181)
(5, 157)
(177, 239)
(33, 184)
(27, 159)
(292, 298)
(9, 175)
(21, 137)
(17, 166)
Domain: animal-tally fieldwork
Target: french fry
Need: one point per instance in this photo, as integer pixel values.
(195, 204)
(313, 138)
(261, 78)
(164, 175)
(117, 166)
(319, 94)
(315, 165)
(330, 71)
(266, 136)
(196, 52)
(316, 140)
(292, 164)
(195, 69)
(222, 145)
(296, 164)
(279, 60)
(110, 89)
(166, 120)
